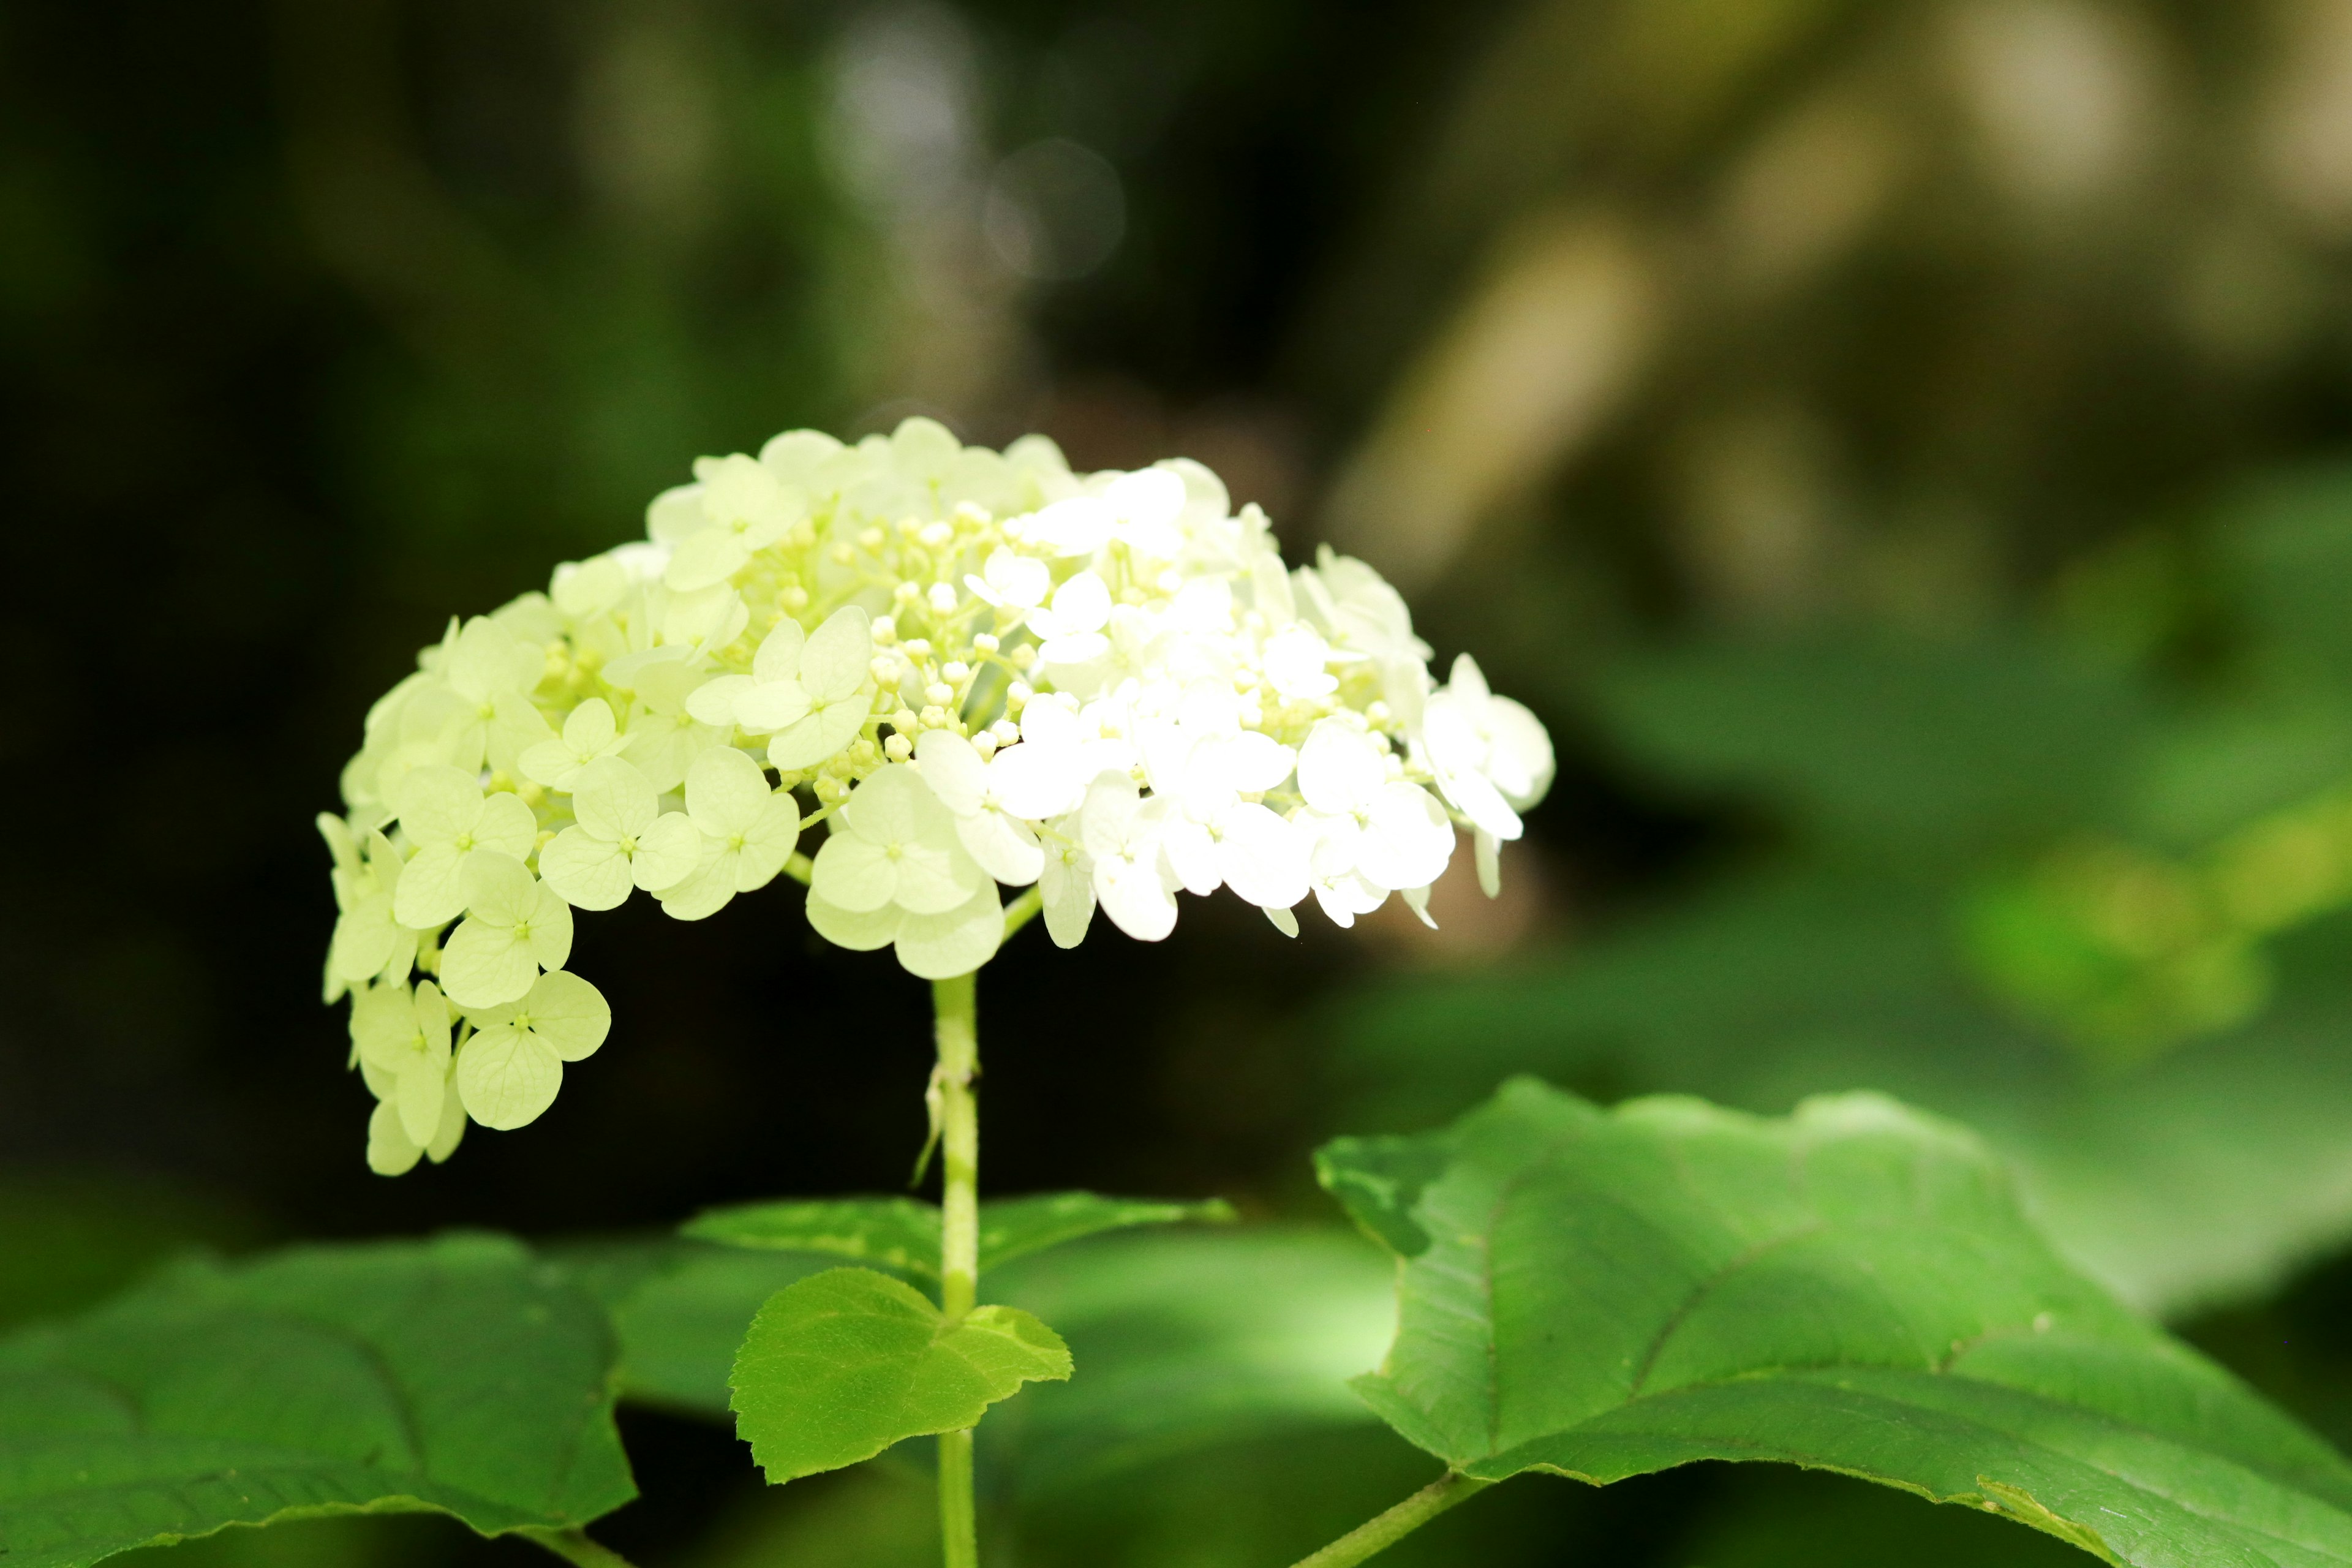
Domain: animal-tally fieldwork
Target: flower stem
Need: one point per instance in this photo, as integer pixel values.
(1378, 1534)
(1022, 910)
(954, 1004)
(573, 1546)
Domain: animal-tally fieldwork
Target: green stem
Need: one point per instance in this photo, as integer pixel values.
(1377, 1535)
(1022, 910)
(573, 1546)
(957, 1009)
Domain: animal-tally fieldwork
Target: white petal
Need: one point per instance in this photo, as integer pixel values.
(713, 702)
(1408, 840)
(419, 1100)
(389, 1150)
(483, 965)
(1490, 863)
(779, 657)
(1260, 856)
(1005, 848)
(613, 799)
(955, 941)
(954, 770)
(1339, 768)
(706, 556)
(1067, 887)
(820, 735)
(1080, 605)
(771, 706)
(1283, 920)
(1039, 782)
(859, 932)
(705, 890)
(1136, 898)
(1192, 856)
(551, 930)
(498, 889)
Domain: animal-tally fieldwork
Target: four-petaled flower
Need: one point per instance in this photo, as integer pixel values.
(894, 872)
(746, 831)
(588, 733)
(446, 818)
(514, 927)
(621, 839)
(401, 1040)
(511, 1069)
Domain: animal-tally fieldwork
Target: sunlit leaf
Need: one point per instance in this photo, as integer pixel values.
(1601, 1294)
(843, 1363)
(903, 1233)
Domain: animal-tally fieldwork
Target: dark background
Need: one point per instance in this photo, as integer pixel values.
(1605, 328)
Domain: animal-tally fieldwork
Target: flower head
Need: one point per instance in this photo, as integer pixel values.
(976, 670)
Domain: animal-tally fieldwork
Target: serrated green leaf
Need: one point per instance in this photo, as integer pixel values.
(456, 1376)
(842, 1364)
(1608, 1293)
(903, 1233)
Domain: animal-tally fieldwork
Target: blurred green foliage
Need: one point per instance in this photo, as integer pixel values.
(1890, 445)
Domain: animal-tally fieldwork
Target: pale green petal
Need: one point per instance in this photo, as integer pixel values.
(768, 844)
(590, 728)
(942, 946)
(569, 1014)
(835, 662)
(665, 750)
(485, 964)
(437, 804)
(713, 702)
(551, 930)
(935, 878)
(507, 826)
(516, 727)
(507, 1077)
(418, 1098)
(366, 940)
(667, 852)
(859, 932)
(772, 705)
(498, 889)
(340, 845)
(675, 513)
(586, 871)
(550, 763)
(593, 585)
(778, 657)
(383, 1025)
(854, 874)
(888, 806)
(489, 659)
(707, 556)
(433, 1022)
(382, 1082)
(705, 890)
(613, 799)
(430, 892)
(952, 767)
(389, 1150)
(725, 791)
(452, 1130)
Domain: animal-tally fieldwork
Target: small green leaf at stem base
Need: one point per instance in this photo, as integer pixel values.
(839, 1366)
(903, 1233)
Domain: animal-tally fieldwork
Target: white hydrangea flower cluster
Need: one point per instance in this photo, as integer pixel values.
(975, 670)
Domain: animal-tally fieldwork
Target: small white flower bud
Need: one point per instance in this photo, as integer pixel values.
(937, 535)
(843, 554)
(1005, 731)
(939, 692)
(904, 720)
(972, 514)
(954, 669)
(919, 648)
(870, 538)
(907, 594)
(899, 748)
(985, 744)
(1024, 656)
(885, 630)
(934, 718)
(1017, 695)
(986, 642)
(943, 599)
(794, 599)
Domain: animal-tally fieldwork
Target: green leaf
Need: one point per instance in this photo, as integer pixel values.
(843, 1363)
(903, 1233)
(455, 1376)
(1601, 1294)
